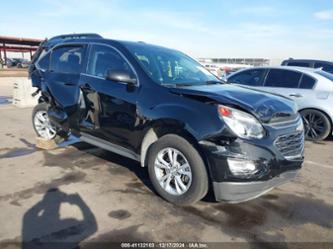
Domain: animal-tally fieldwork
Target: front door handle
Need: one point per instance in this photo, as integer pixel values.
(70, 84)
(296, 95)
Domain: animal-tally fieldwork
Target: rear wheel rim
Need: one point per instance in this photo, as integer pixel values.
(43, 126)
(173, 171)
(314, 125)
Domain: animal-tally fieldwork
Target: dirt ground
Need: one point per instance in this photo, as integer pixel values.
(6, 90)
(83, 194)
(13, 72)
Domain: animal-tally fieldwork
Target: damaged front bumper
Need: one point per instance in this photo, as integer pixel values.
(235, 192)
(241, 170)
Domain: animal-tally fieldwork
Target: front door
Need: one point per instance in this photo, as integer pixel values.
(111, 111)
(284, 82)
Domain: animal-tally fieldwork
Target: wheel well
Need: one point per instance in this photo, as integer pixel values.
(331, 121)
(153, 134)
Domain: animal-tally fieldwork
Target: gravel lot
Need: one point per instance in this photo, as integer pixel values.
(82, 193)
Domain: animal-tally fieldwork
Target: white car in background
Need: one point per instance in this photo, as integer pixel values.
(222, 70)
(312, 90)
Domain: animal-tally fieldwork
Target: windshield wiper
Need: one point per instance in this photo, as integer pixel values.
(208, 82)
(212, 82)
(178, 84)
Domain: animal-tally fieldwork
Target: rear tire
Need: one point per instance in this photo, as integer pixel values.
(316, 124)
(43, 126)
(41, 123)
(183, 180)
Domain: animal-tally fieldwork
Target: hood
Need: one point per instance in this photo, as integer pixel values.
(266, 107)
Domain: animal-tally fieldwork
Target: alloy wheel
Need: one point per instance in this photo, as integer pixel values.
(314, 125)
(43, 126)
(173, 171)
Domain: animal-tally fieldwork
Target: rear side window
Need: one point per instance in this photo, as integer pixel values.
(44, 61)
(307, 82)
(67, 60)
(103, 58)
(249, 77)
(283, 78)
(325, 66)
(298, 64)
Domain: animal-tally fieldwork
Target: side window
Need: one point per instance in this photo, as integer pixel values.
(103, 58)
(298, 64)
(307, 82)
(282, 78)
(326, 67)
(249, 77)
(44, 61)
(67, 59)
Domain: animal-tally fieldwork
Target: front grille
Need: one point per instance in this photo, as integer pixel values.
(291, 145)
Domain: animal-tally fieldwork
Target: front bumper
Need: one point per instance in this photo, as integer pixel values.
(235, 192)
(274, 163)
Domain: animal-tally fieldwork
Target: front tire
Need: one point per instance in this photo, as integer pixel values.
(177, 171)
(317, 125)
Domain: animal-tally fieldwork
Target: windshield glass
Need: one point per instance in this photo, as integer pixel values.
(325, 74)
(166, 66)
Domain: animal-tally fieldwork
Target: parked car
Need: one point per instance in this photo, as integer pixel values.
(163, 109)
(312, 89)
(324, 65)
(10, 62)
(23, 63)
(17, 62)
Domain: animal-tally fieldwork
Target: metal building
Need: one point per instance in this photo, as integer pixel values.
(244, 61)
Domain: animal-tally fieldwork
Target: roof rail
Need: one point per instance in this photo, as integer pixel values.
(76, 36)
(60, 38)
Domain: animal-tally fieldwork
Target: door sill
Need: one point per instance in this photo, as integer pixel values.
(109, 146)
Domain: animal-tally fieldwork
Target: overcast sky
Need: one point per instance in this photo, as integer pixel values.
(217, 28)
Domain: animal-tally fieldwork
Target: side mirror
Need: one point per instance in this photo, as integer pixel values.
(120, 76)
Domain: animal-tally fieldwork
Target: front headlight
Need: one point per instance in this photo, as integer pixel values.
(241, 123)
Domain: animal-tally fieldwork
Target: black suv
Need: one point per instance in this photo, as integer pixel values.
(163, 109)
(324, 65)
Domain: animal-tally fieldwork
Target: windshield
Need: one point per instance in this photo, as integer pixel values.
(169, 67)
(325, 74)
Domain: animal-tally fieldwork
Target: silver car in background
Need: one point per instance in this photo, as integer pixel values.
(312, 90)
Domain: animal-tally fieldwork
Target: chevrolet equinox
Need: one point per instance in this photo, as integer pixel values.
(163, 109)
